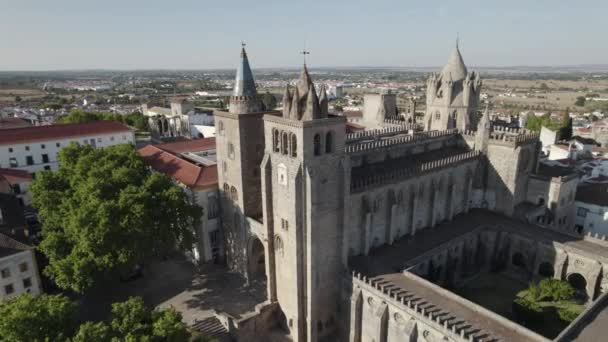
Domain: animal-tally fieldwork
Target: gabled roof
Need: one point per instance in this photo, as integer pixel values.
(9, 246)
(244, 84)
(10, 123)
(53, 132)
(455, 69)
(166, 158)
(14, 176)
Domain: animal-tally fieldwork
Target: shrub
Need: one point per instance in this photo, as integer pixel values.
(556, 290)
(567, 314)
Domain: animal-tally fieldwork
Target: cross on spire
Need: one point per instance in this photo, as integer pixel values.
(457, 39)
(243, 44)
(304, 53)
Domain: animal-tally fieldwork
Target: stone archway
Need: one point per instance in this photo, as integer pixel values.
(579, 283)
(256, 259)
(546, 270)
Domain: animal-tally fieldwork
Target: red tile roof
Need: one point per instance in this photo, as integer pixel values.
(194, 145)
(42, 133)
(10, 123)
(14, 176)
(165, 158)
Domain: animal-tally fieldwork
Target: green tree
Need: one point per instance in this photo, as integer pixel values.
(134, 322)
(270, 102)
(580, 101)
(90, 331)
(103, 212)
(41, 318)
(17, 98)
(566, 128)
(167, 324)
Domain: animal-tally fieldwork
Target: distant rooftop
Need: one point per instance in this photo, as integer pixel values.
(51, 132)
(10, 123)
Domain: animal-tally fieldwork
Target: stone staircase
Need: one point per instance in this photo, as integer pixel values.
(213, 328)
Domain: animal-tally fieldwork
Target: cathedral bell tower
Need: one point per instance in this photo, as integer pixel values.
(303, 200)
(452, 96)
(240, 149)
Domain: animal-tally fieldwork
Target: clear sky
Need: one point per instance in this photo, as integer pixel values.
(200, 34)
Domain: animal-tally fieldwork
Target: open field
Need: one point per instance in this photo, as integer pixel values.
(26, 94)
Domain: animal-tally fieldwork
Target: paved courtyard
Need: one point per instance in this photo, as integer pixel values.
(194, 291)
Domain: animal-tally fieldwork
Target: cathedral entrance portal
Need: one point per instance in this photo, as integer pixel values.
(257, 260)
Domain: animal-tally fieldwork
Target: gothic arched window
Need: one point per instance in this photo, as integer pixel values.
(226, 189)
(294, 145)
(278, 246)
(317, 144)
(275, 140)
(233, 194)
(329, 142)
(284, 143)
(221, 127)
(437, 115)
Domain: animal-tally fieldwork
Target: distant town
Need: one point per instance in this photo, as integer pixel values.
(313, 204)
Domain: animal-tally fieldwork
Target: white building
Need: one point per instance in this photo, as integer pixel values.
(18, 268)
(35, 148)
(181, 120)
(192, 165)
(592, 208)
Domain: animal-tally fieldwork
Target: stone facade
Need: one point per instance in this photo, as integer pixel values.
(301, 199)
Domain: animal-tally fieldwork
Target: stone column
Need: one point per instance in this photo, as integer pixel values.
(367, 236)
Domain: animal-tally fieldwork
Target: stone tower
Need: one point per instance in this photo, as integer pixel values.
(240, 148)
(303, 199)
(452, 96)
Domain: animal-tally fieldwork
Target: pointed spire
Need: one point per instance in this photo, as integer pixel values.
(244, 84)
(323, 102)
(286, 102)
(304, 81)
(311, 111)
(295, 105)
(485, 122)
(455, 66)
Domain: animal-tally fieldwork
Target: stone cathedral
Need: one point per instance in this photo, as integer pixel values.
(361, 237)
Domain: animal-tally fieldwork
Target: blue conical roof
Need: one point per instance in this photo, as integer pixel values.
(244, 85)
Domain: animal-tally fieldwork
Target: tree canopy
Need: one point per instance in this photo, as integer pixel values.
(103, 212)
(53, 318)
(42, 318)
(135, 119)
(534, 123)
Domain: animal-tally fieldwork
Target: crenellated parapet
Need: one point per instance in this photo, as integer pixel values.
(357, 147)
(417, 308)
(506, 136)
(419, 169)
(374, 134)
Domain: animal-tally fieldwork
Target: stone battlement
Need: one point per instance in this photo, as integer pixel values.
(412, 171)
(418, 307)
(399, 140)
(507, 136)
(402, 128)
